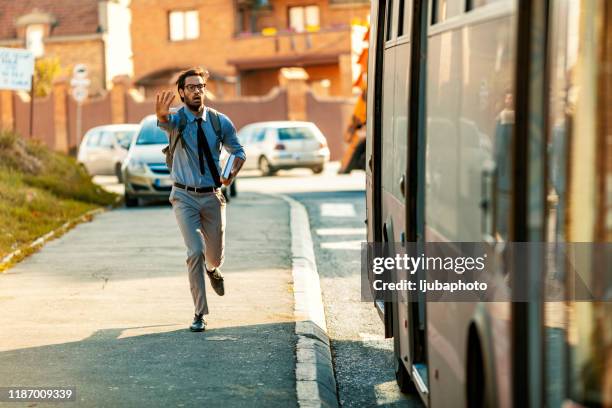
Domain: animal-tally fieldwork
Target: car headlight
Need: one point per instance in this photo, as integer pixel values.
(136, 166)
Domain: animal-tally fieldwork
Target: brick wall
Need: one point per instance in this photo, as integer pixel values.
(90, 52)
(151, 43)
(55, 115)
(218, 44)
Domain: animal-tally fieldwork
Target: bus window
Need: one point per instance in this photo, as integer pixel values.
(389, 20)
(404, 17)
(470, 126)
(472, 4)
(442, 10)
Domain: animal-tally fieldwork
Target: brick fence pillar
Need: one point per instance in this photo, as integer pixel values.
(60, 114)
(346, 74)
(121, 85)
(7, 110)
(294, 80)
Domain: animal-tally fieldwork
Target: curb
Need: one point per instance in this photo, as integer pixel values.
(9, 259)
(314, 372)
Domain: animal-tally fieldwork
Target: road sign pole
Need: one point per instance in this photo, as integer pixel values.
(32, 108)
(78, 127)
(79, 83)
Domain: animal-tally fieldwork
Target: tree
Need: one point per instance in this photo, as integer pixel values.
(45, 71)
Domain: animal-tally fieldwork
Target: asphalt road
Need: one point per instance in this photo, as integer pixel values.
(106, 307)
(362, 357)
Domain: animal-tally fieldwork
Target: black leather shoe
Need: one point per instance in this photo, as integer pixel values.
(216, 281)
(199, 324)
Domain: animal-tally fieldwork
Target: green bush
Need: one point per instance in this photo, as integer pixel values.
(54, 172)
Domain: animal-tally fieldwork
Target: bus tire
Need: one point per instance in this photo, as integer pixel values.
(404, 382)
(476, 381)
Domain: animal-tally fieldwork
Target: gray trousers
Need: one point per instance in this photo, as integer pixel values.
(201, 219)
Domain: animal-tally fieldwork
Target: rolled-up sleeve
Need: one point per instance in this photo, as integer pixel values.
(231, 143)
(170, 124)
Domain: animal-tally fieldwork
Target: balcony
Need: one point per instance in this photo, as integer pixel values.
(281, 48)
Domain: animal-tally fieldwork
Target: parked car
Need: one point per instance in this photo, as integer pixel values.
(104, 148)
(144, 170)
(272, 146)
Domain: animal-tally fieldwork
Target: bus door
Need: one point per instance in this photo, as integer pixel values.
(468, 188)
(412, 333)
(376, 138)
(577, 335)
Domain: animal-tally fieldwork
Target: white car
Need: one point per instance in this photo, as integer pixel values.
(104, 148)
(145, 173)
(280, 145)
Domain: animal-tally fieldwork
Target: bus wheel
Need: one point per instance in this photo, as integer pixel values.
(476, 382)
(404, 382)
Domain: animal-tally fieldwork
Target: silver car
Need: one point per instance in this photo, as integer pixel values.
(104, 148)
(272, 146)
(145, 173)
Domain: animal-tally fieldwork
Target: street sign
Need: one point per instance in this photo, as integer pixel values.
(80, 71)
(16, 69)
(80, 94)
(80, 82)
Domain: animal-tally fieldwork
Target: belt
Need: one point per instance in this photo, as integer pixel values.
(196, 189)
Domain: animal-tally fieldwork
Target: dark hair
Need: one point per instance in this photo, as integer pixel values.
(197, 71)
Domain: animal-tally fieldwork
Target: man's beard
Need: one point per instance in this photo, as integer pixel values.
(195, 106)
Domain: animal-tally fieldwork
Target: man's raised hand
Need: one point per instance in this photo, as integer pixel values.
(162, 105)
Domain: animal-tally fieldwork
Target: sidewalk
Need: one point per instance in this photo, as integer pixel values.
(106, 308)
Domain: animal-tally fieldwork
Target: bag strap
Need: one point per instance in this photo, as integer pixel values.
(181, 127)
(216, 123)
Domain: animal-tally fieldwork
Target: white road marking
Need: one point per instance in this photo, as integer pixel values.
(340, 231)
(337, 210)
(352, 245)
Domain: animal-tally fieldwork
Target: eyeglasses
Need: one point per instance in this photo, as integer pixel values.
(192, 88)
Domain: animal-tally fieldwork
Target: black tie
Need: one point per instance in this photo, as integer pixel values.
(204, 150)
(201, 142)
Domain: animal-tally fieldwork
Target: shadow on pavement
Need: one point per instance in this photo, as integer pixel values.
(360, 380)
(236, 366)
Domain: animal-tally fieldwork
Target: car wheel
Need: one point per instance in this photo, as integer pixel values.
(233, 190)
(118, 173)
(264, 166)
(318, 169)
(131, 201)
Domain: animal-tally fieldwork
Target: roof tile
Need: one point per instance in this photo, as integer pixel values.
(73, 17)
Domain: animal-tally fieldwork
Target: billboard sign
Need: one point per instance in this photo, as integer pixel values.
(16, 69)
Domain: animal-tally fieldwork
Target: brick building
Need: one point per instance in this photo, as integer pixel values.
(93, 32)
(245, 43)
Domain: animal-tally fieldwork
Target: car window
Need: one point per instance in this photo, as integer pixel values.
(106, 140)
(93, 139)
(259, 134)
(151, 134)
(245, 135)
(296, 133)
(124, 137)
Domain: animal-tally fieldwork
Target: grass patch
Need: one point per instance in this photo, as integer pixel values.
(40, 190)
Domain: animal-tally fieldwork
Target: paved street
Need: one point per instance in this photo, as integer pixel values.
(115, 326)
(363, 358)
(106, 309)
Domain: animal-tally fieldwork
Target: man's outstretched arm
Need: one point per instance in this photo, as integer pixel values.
(166, 120)
(231, 143)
